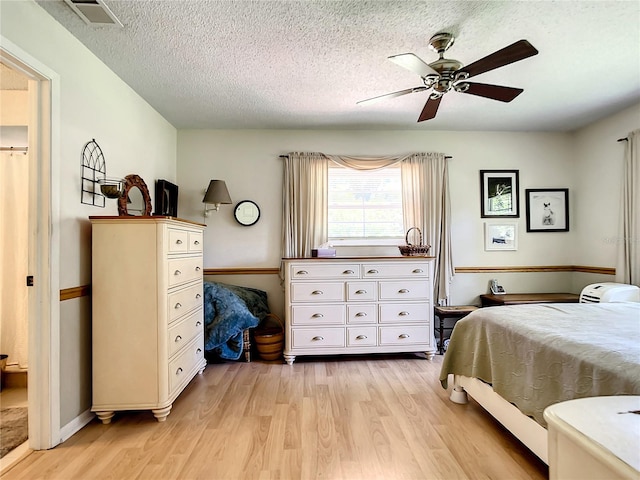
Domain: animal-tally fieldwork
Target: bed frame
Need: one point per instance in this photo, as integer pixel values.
(525, 429)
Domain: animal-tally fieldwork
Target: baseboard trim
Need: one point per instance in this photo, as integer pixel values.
(75, 425)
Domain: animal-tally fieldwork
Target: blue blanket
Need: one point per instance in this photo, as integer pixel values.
(228, 311)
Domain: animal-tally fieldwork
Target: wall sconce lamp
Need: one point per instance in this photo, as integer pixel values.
(216, 195)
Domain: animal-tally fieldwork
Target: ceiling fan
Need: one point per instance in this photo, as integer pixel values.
(445, 74)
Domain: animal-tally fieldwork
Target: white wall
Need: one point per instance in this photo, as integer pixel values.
(598, 179)
(249, 162)
(95, 104)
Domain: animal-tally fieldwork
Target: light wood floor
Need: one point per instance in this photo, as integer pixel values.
(384, 417)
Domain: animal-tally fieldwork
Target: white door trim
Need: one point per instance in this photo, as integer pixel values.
(44, 245)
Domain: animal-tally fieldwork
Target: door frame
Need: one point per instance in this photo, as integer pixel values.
(44, 245)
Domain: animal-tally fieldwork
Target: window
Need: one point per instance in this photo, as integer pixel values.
(365, 204)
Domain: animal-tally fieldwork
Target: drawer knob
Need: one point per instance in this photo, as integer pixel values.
(178, 242)
(404, 335)
(179, 371)
(360, 292)
(403, 290)
(302, 272)
(198, 323)
(196, 242)
(318, 338)
(361, 337)
(177, 272)
(317, 315)
(199, 351)
(198, 269)
(348, 272)
(178, 338)
(418, 270)
(372, 271)
(198, 295)
(178, 305)
(403, 314)
(361, 314)
(316, 292)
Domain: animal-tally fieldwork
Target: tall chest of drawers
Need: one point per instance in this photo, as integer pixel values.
(356, 305)
(147, 312)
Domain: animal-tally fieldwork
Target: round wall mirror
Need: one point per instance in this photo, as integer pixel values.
(135, 200)
(247, 213)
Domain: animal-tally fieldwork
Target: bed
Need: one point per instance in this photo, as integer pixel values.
(517, 360)
(230, 311)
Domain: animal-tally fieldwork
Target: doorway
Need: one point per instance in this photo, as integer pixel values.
(42, 304)
(14, 262)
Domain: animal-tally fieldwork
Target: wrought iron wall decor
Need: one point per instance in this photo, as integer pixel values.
(93, 169)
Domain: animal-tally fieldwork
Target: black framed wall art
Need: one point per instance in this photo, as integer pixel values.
(499, 196)
(166, 199)
(547, 209)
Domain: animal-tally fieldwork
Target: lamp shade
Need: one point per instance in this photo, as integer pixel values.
(217, 193)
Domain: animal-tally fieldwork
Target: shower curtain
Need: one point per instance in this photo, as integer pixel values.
(14, 215)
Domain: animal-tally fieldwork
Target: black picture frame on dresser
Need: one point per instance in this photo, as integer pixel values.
(166, 199)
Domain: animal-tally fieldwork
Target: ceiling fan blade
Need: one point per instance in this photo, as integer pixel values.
(413, 63)
(430, 109)
(513, 53)
(495, 92)
(392, 95)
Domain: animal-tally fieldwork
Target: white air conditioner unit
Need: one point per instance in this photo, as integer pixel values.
(607, 292)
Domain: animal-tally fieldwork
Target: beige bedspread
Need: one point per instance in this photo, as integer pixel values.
(538, 355)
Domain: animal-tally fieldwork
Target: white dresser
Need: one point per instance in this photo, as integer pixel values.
(148, 332)
(594, 438)
(358, 305)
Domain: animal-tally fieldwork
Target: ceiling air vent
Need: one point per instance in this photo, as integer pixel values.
(93, 12)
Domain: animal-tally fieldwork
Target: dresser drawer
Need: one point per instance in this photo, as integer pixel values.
(185, 362)
(407, 312)
(361, 291)
(365, 313)
(182, 332)
(183, 301)
(362, 336)
(302, 271)
(408, 335)
(178, 240)
(395, 270)
(403, 290)
(183, 270)
(317, 337)
(317, 292)
(317, 315)
(195, 242)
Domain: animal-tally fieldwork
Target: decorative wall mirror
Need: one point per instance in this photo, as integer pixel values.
(247, 213)
(135, 201)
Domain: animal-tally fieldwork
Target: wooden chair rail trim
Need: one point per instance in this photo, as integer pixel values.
(85, 290)
(75, 292)
(541, 268)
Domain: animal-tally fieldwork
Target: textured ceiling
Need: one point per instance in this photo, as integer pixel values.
(305, 64)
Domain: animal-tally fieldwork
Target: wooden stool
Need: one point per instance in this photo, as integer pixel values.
(456, 312)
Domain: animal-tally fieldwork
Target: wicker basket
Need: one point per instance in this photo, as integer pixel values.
(410, 250)
(270, 340)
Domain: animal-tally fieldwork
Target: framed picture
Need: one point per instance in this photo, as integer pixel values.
(500, 235)
(499, 193)
(547, 209)
(166, 199)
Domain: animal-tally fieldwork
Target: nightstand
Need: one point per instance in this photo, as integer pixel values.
(457, 312)
(490, 300)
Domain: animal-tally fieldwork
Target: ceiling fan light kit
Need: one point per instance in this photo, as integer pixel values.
(445, 74)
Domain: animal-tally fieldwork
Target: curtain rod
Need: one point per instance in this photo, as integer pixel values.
(14, 149)
(446, 156)
(623, 139)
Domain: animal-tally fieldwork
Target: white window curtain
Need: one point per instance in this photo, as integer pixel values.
(628, 265)
(425, 204)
